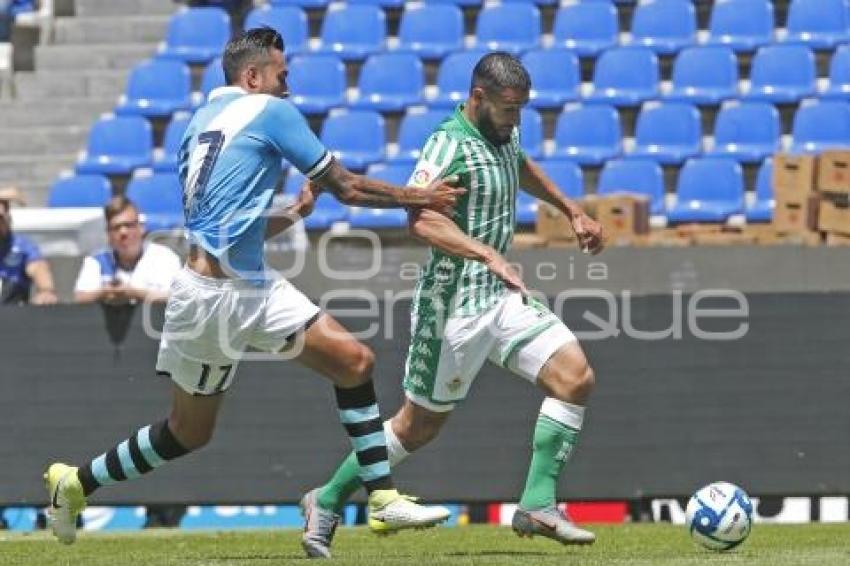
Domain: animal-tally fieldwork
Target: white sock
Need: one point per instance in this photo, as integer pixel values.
(395, 450)
(560, 411)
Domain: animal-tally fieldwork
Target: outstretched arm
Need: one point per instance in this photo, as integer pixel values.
(357, 190)
(440, 232)
(535, 181)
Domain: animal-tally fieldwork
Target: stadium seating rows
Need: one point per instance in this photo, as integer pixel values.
(588, 130)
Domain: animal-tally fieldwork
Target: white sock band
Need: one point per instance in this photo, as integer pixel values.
(565, 413)
(395, 450)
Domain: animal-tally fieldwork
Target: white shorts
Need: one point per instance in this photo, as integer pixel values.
(210, 323)
(516, 333)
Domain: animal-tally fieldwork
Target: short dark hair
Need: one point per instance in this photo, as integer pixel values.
(251, 46)
(116, 205)
(499, 70)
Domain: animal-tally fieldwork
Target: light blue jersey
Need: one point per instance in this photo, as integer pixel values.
(230, 164)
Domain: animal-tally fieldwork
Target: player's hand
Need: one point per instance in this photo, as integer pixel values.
(44, 298)
(506, 272)
(443, 195)
(590, 234)
(306, 200)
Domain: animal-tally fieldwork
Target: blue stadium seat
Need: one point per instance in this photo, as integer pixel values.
(117, 145)
(389, 82)
(454, 76)
(709, 189)
(531, 133)
(746, 131)
(704, 75)
(382, 3)
(356, 137)
(289, 21)
(469, 3)
(820, 24)
(415, 128)
(761, 209)
(197, 35)
(820, 125)
(308, 4)
(641, 176)
(665, 26)
(432, 31)
(317, 83)
(353, 32)
(361, 217)
(555, 77)
(213, 77)
(327, 210)
(668, 132)
(743, 25)
(157, 88)
(588, 28)
(625, 76)
(159, 197)
(79, 191)
(782, 74)
(166, 160)
(588, 134)
(566, 175)
(839, 74)
(508, 27)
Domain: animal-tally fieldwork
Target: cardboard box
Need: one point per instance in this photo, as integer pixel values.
(526, 241)
(791, 217)
(837, 240)
(793, 177)
(552, 225)
(834, 213)
(623, 216)
(725, 239)
(834, 171)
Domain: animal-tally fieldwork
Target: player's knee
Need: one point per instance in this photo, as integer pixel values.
(358, 365)
(574, 385)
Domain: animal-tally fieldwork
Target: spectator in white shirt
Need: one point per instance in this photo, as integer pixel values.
(130, 270)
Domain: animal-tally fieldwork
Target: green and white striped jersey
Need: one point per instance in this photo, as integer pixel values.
(486, 212)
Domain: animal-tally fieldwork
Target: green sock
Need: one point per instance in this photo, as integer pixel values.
(553, 443)
(343, 484)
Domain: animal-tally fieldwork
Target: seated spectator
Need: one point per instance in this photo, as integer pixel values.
(130, 270)
(21, 264)
(8, 10)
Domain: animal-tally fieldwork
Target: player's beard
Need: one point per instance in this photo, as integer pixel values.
(489, 129)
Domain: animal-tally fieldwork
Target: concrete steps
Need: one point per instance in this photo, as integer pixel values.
(35, 113)
(39, 170)
(98, 8)
(42, 140)
(111, 30)
(91, 57)
(59, 85)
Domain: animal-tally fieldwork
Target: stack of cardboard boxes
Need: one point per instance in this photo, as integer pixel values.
(834, 185)
(625, 217)
(795, 218)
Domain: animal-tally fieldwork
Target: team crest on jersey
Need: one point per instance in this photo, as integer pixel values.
(454, 384)
(421, 177)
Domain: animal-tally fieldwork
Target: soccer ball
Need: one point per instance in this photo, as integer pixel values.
(719, 516)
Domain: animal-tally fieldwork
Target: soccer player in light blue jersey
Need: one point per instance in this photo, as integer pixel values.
(225, 300)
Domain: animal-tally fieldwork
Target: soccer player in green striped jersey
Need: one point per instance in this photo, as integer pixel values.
(471, 306)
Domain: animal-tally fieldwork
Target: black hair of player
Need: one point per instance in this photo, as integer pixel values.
(250, 47)
(499, 70)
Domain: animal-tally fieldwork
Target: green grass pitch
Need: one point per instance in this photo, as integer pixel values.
(632, 545)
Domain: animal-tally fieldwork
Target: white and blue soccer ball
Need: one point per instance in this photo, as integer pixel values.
(719, 516)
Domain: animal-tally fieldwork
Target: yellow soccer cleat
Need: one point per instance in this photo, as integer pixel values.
(390, 511)
(67, 501)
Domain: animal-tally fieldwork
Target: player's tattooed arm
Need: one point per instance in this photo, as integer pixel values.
(358, 190)
(535, 182)
(438, 231)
